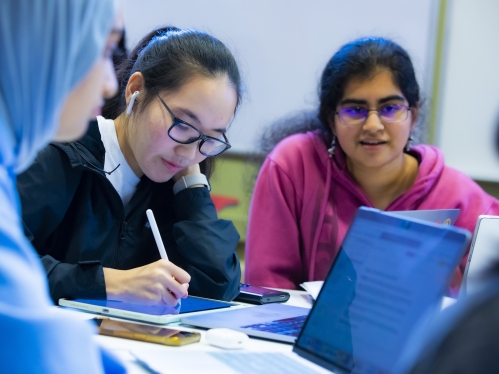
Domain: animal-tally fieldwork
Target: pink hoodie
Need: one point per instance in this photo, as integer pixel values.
(304, 202)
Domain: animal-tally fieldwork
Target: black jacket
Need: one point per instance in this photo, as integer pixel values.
(76, 221)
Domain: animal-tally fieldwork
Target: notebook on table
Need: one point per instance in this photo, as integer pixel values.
(389, 270)
(484, 253)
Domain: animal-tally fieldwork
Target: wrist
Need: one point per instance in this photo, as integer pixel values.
(191, 181)
(193, 169)
(114, 281)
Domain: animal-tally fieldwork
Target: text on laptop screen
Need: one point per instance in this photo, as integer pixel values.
(387, 273)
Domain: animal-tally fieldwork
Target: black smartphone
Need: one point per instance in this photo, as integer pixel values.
(260, 295)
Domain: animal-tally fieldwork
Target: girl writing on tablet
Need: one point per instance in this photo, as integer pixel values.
(55, 69)
(84, 203)
(356, 151)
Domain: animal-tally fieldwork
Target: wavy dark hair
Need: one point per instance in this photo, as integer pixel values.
(167, 58)
(359, 59)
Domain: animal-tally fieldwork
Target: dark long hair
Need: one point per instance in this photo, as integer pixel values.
(167, 58)
(359, 59)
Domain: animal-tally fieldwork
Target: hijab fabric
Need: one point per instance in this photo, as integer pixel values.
(46, 48)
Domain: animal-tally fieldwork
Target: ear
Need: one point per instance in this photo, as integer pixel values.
(135, 83)
(415, 116)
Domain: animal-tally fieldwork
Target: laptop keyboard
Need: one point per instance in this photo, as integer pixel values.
(286, 326)
(268, 363)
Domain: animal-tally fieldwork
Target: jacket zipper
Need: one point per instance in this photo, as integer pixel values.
(122, 232)
(121, 235)
(120, 240)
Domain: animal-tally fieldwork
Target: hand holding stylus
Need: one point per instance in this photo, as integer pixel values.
(155, 283)
(159, 282)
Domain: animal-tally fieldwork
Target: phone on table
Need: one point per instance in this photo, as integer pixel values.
(145, 333)
(260, 295)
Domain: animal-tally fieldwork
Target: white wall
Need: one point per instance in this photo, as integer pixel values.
(469, 104)
(283, 45)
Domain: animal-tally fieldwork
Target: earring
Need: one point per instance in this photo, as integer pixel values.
(130, 104)
(333, 146)
(409, 142)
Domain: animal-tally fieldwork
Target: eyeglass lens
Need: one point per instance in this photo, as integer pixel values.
(186, 134)
(388, 113)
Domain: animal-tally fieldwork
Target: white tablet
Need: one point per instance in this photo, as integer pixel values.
(159, 314)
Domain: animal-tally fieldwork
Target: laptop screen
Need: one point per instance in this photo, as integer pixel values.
(387, 273)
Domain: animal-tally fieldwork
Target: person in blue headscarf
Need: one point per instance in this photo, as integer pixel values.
(55, 70)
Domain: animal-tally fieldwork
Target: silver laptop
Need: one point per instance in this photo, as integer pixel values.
(389, 271)
(270, 321)
(484, 253)
(440, 216)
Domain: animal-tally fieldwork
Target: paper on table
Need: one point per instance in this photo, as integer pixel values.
(313, 288)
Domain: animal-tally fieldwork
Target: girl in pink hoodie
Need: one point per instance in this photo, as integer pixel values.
(358, 154)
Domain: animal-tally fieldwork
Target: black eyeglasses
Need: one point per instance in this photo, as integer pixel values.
(357, 115)
(184, 133)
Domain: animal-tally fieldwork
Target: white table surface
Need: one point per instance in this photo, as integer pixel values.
(124, 347)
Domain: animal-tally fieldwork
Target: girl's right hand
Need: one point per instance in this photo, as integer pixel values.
(156, 283)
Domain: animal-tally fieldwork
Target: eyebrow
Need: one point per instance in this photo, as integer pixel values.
(187, 112)
(380, 101)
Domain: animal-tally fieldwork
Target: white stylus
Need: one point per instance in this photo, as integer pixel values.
(157, 237)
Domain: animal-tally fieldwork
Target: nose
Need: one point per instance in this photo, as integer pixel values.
(110, 84)
(187, 151)
(373, 122)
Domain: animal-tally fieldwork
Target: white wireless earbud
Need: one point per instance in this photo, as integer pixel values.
(130, 104)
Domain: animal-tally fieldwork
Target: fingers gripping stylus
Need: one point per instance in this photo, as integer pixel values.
(157, 238)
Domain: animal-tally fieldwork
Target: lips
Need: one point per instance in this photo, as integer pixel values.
(174, 164)
(173, 167)
(372, 142)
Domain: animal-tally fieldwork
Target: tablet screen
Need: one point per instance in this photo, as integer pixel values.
(190, 304)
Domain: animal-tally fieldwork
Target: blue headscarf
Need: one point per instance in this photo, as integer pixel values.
(46, 48)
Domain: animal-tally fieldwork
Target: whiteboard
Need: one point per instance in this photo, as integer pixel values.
(282, 46)
(469, 103)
